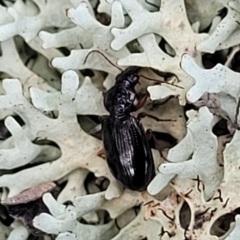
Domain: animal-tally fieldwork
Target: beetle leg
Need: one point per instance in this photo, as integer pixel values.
(141, 102)
(96, 129)
(150, 135)
(101, 154)
(143, 115)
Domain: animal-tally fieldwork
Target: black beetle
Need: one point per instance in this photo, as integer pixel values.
(126, 146)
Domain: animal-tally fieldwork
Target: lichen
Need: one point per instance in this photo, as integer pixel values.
(58, 58)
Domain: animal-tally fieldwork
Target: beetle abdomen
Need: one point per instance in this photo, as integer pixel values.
(127, 152)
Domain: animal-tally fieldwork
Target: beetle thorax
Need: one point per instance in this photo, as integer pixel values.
(120, 100)
(123, 101)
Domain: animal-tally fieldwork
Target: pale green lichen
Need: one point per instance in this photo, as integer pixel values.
(214, 80)
(41, 40)
(194, 157)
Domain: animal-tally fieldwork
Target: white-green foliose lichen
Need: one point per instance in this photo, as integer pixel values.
(47, 81)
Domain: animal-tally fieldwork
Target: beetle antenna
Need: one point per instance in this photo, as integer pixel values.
(160, 81)
(120, 69)
(104, 57)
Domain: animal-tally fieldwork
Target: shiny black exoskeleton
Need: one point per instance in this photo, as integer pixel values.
(126, 147)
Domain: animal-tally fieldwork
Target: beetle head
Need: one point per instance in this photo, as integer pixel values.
(130, 74)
